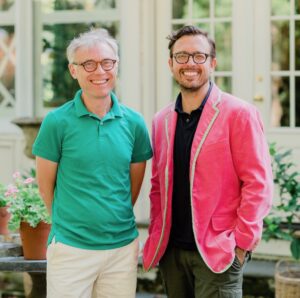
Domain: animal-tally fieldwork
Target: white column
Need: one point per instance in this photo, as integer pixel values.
(24, 58)
(163, 75)
(242, 48)
(148, 93)
(262, 61)
(130, 55)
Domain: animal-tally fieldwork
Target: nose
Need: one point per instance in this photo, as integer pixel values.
(191, 60)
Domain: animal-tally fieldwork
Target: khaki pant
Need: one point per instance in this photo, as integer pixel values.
(80, 273)
(186, 275)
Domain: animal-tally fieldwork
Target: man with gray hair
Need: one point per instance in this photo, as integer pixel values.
(91, 156)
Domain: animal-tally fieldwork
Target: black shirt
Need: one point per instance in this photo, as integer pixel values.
(182, 235)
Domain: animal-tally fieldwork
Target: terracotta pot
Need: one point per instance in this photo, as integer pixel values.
(4, 217)
(34, 240)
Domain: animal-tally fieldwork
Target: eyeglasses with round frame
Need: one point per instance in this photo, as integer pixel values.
(184, 57)
(91, 65)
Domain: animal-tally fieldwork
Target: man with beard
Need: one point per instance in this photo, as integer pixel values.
(211, 179)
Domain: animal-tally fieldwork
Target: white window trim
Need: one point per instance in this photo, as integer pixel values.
(24, 59)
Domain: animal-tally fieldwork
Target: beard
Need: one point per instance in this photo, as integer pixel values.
(191, 85)
(191, 88)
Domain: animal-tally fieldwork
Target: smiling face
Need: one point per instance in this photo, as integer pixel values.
(190, 76)
(99, 83)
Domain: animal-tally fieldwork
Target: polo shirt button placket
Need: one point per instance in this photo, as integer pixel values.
(100, 123)
(99, 130)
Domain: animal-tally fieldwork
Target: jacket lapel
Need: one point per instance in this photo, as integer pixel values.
(207, 120)
(170, 128)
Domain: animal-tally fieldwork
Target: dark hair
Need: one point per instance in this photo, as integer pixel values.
(190, 30)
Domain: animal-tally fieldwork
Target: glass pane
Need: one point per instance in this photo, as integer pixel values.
(280, 45)
(200, 9)
(297, 7)
(224, 83)
(52, 5)
(176, 27)
(297, 44)
(223, 45)
(58, 85)
(7, 66)
(223, 8)
(280, 7)
(297, 91)
(180, 9)
(280, 114)
(6, 4)
(204, 27)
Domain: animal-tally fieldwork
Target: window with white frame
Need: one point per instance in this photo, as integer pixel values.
(7, 58)
(57, 23)
(215, 17)
(285, 63)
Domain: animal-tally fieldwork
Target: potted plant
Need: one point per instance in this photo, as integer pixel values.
(4, 215)
(28, 213)
(283, 222)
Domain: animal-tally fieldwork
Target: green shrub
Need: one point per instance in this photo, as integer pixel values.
(284, 217)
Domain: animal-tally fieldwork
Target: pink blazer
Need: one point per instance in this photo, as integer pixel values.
(230, 175)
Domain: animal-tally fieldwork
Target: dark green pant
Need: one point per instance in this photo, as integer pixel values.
(186, 275)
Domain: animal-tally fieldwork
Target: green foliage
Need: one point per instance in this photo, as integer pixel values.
(280, 222)
(24, 203)
(60, 82)
(2, 196)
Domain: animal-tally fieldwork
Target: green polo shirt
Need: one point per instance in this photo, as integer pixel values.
(92, 206)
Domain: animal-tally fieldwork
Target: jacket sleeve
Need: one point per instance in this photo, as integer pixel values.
(252, 162)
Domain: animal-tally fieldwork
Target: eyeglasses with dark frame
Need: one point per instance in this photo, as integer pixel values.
(91, 65)
(184, 57)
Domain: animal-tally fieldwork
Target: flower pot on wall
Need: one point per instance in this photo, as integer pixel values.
(4, 217)
(30, 127)
(34, 240)
(287, 279)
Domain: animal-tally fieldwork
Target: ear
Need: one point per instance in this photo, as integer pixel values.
(170, 62)
(72, 71)
(213, 63)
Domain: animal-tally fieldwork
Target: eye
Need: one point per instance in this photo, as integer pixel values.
(90, 64)
(107, 62)
(181, 56)
(199, 57)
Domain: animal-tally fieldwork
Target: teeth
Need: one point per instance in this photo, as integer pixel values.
(190, 73)
(99, 82)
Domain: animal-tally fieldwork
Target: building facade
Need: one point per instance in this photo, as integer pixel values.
(258, 52)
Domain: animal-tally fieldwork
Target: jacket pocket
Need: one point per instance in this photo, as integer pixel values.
(223, 223)
(223, 227)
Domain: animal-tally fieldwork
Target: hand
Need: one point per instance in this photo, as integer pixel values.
(240, 254)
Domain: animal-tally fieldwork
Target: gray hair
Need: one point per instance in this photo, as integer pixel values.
(89, 39)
